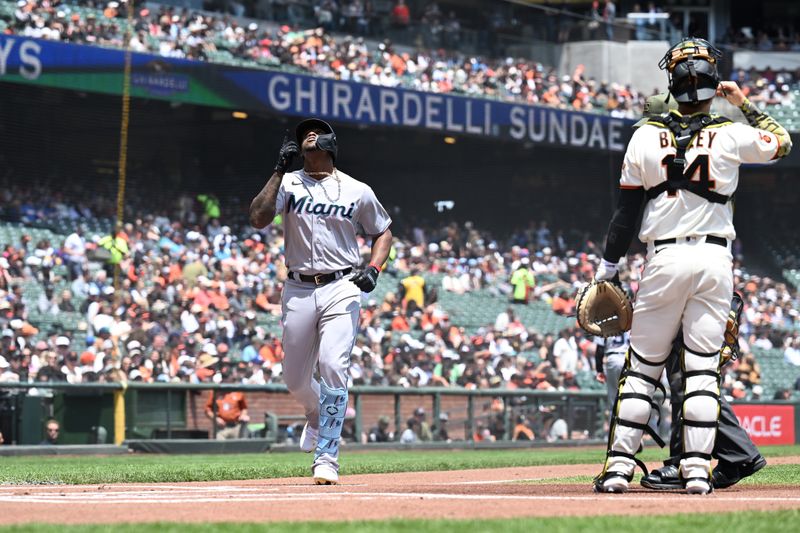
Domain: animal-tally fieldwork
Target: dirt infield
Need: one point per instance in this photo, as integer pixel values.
(490, 493)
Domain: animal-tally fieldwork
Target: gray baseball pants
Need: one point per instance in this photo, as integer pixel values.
(319, 327)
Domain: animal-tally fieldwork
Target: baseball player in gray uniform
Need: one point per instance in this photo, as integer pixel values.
(609, 356)
(613, 350)
(323, 211)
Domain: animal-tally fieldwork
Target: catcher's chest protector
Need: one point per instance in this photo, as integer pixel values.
(684, 130)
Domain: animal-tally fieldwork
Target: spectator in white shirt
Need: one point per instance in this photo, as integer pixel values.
(75, 252)
(792, 352)
(565, 350)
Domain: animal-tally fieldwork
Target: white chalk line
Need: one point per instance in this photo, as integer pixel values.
(493, 482)
(122, 499)
(150, 488)
(154, 489)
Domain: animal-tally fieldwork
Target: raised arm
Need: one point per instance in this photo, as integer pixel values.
(755, 117)
(262, 208)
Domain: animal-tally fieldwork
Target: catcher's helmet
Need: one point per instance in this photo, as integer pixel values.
(325, 141)
(691, 67)
(656, 105)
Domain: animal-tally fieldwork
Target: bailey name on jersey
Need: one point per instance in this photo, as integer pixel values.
(698, 142)
(305, 205)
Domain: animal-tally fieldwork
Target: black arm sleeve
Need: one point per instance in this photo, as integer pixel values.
(623, 224)
(599, 352)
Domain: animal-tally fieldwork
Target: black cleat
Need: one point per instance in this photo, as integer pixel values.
(726, 475)
(664, 478)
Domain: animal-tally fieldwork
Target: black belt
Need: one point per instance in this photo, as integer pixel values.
(319, 279)
(713, 239)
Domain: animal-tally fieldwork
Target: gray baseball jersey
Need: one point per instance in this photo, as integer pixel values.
(614, 345)
(321, 224)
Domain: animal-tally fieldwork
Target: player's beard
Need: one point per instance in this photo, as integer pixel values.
(310, 147)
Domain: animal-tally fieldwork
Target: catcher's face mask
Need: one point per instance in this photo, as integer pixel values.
(691, 67)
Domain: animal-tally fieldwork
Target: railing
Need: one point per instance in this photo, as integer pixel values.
(582, 411)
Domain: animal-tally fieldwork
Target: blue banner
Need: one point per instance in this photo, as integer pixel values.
(98, 69)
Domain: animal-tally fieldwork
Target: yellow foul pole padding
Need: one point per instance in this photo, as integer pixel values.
(119, 414)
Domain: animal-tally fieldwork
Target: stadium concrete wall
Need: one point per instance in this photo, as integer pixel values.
(748, 59)
(634, 63)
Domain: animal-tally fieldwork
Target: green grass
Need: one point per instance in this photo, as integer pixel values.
(735, 522)
(177, 468)
(775, 475)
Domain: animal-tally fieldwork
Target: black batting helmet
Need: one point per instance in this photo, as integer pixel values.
(691, 67)
(325, 141)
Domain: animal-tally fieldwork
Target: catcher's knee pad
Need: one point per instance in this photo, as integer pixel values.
(332, 409)
(634, 406)
(700, 411)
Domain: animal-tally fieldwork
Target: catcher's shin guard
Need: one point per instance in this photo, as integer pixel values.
(332, 409)
(631, 414)
(700, 412)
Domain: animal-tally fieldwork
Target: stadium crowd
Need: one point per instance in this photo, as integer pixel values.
(172, 32)
(766, 39)
(199, 301)
(215, 37)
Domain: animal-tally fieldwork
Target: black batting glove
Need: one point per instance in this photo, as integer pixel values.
(289, 149)
(366, 279)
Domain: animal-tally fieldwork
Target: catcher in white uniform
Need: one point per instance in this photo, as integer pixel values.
(684, 166)
(323, 211)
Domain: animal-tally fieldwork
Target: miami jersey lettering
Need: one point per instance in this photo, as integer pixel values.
(322, 220)
(307, 205)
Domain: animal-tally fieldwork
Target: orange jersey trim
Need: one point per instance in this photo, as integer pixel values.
(778, 149)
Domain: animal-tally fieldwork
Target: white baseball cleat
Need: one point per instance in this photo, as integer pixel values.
(611, 482)
(308, 439)
(325, 474)
(698, 486)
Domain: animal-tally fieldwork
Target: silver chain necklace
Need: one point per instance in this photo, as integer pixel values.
(338, 185)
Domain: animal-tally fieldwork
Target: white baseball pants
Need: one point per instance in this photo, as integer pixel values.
(689, 286)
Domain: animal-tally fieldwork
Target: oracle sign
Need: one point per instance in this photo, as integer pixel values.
(767, 424)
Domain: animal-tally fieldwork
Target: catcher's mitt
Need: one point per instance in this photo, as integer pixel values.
(603, 309)
(730, 346)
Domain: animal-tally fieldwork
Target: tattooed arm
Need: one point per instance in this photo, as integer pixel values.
(262, 208)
